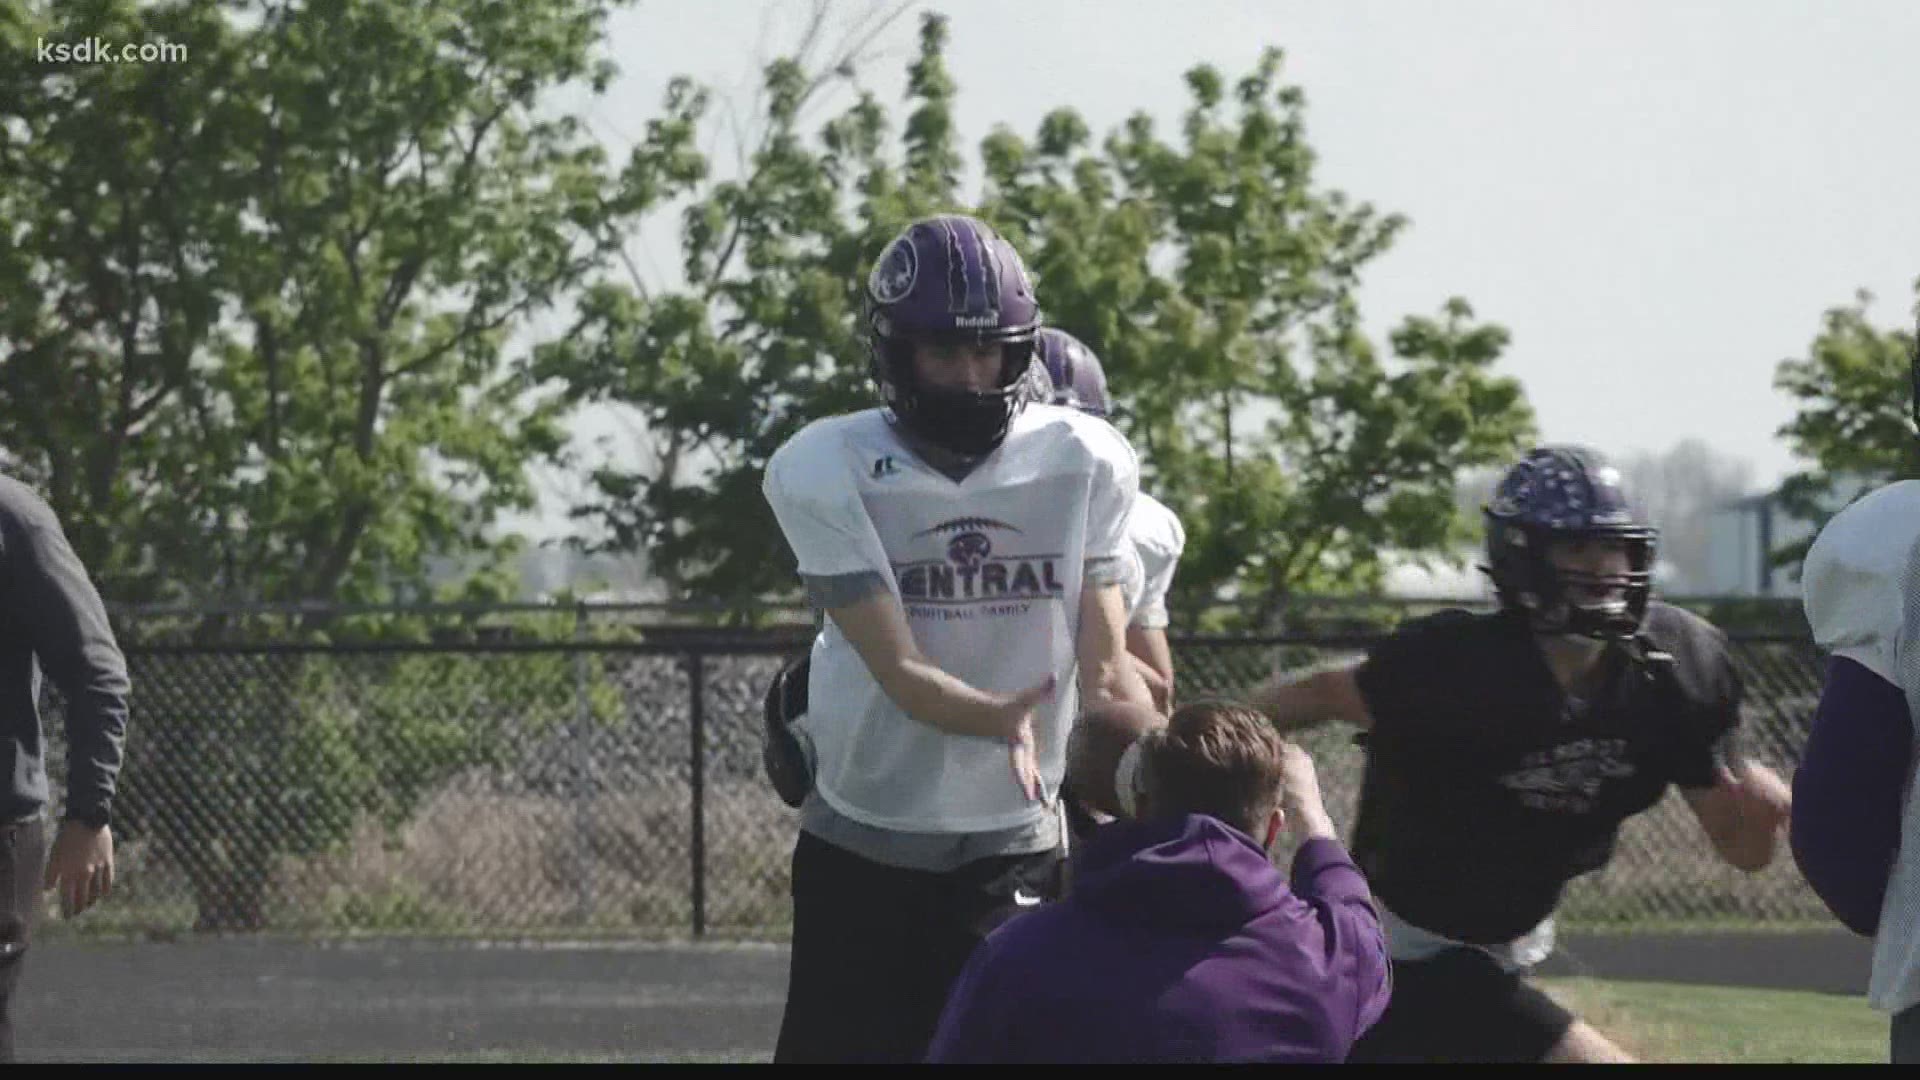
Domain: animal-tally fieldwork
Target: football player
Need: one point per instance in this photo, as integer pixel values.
(1505, 750)
(1077, 379)
(1854, 801)
(967, 553)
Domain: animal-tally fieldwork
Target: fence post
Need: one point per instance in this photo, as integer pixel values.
(697, 725)
(582, 773)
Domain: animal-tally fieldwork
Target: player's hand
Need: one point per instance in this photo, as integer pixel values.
(1300, 797)
(1016, 710)
(1761, 792)
(1023, 749)
(1300, 783)
(80, 866)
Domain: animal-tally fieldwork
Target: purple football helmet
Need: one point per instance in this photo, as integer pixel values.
(951, 279)
(1074, 373)
(1567, 493)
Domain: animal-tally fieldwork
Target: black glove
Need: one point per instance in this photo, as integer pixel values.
(785, 756)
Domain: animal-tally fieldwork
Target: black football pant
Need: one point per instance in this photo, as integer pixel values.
(876, 949)
(1905, 1041)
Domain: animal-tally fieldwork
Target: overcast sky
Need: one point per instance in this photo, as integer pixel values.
(1658, 199)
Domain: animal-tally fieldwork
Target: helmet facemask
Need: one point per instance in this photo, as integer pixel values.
(970, 423)
(1573, 603)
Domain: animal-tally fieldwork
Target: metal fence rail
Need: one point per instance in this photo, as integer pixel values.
(614, 790)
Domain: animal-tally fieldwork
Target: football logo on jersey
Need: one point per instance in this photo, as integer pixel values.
(1569, 778)
(969, 549)
(972, 572)
(966, 524)
(893, 277)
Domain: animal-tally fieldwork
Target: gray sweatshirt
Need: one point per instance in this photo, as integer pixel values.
(52, 620)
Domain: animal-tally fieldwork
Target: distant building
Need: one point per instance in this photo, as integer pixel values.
(552, 569)
(1742, 536)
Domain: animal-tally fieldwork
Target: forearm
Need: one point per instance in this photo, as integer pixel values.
(1750, 852)
(1150, 645)
(1107, 671)
(1296, 703)
(1116, 680)
(1313, 823)
(1751, 849)
(74, 643)
(941, 700)
(94, 682)
(95, 751)
(860, 605)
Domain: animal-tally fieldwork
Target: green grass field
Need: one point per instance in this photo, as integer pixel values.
(1670, 1022)
(1656, 1022)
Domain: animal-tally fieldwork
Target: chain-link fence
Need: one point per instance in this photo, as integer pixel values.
(614, 790)
(1664, 873)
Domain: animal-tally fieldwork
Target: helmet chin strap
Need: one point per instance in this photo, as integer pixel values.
(1573, 657)
(951, 462)
(950, 428)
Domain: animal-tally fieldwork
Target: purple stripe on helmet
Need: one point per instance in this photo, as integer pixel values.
(969, 262)
(1075, 371)
(990, 252)
(956, 267)
(1064, 358)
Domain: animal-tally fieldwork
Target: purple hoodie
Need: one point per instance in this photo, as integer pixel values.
(1179, 941)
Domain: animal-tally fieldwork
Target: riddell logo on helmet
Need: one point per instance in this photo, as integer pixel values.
(991, 318)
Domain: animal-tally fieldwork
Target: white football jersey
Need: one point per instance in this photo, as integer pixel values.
(988, 570)
(1156, 541)
(1861, 587)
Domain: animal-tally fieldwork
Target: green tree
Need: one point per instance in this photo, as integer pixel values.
(1214, 277)
(259, 301)
(257, 315)
(1854, 422)
(762, 338)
